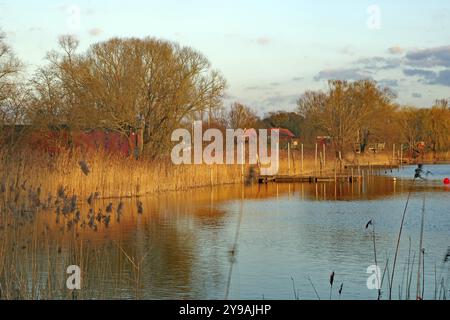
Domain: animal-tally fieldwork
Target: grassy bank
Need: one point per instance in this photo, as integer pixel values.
(117, 177)
(109, 176)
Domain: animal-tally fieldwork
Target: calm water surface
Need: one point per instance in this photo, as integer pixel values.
(288, 234)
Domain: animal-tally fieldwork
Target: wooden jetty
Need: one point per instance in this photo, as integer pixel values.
(307, 179)
(372, 167)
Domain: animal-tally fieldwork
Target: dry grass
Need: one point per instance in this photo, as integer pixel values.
(111, 177)
(37, 244)
(31, 183)
(117, 177)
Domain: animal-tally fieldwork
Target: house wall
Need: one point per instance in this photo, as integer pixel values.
(96, 140)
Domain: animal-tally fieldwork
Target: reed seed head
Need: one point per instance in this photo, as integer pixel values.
(84, 167)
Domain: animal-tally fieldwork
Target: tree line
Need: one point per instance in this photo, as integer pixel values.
(152, 86)
(355, 114)
(145, 85)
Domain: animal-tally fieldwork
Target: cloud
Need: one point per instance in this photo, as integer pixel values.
(430, 66)
(263, 41)
(430, 77)
(417, 95)
(281, 101)
(95, 32)
(429, 58)
(342, 74)
(379, 63)
(257, 88)
(390, 83)
(424, 74)
(396, 50)
(443, 78)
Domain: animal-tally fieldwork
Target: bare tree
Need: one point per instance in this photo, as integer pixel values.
(345, 109)
(437, 127)
(13, 94)
(242, 117)
(10, 68)
(411, 124)
(145, 85)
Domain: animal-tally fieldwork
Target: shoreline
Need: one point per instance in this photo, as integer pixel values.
(114, 177)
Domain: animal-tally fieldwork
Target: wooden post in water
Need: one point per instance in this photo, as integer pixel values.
(303, 159)
(315, 161)
(294, 165)
(289, 158)
(321, 163)
(243, 162)
(401, 156)
(335, 173)
(393, 154)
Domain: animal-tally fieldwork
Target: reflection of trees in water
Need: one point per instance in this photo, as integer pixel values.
(165, 238)
(181, 235)
(372, 188)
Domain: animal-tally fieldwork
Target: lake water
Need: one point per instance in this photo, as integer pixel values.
(288, 236)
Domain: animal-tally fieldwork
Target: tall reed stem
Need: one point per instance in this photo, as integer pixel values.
(418, 295)
(398, 240)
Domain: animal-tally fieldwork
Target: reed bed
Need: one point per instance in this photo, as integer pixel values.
(118, 177)
(110, 176)
(70, 186)
(37, 244)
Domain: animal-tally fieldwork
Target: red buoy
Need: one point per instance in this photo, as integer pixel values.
(446, 181)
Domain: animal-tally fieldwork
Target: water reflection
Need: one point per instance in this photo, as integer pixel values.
(179, 247)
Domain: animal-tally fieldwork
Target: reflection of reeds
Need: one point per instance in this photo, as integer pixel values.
(25, 275)
(33, 260)
(137, 268)
(33, 257)
(233, 251)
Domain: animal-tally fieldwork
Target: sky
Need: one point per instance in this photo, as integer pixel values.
(269, 51)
